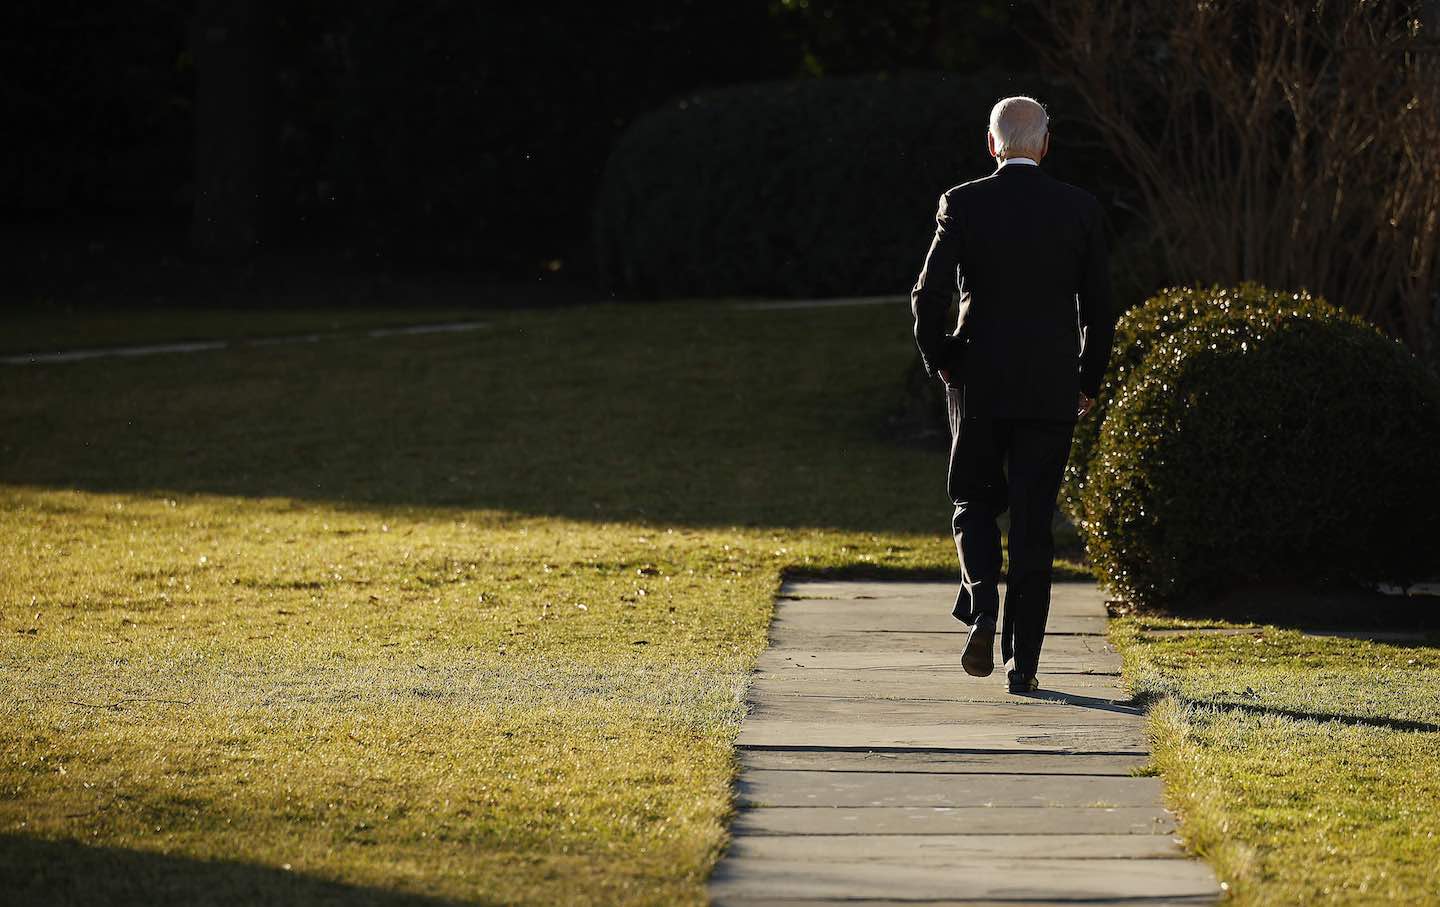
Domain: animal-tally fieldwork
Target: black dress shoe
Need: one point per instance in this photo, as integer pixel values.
(979, 657)
(1020, 683)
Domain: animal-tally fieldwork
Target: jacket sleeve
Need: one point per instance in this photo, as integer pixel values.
(930, 297)
(1097, 312)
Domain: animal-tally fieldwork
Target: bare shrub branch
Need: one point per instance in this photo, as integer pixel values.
(1291, 142)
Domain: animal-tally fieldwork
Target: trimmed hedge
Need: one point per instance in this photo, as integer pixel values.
(804, 188)
(1259, 440)
(1143, 328)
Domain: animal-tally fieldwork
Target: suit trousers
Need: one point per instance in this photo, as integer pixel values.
(998, 464)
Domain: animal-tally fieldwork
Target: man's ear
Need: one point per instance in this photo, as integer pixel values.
(990, 142)
(1045, 149)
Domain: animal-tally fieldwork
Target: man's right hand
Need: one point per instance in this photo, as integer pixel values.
(944, 374)
(1084, 406)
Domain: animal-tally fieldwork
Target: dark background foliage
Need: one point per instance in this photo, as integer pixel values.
(819, 187)
(188, 149)
(97, 106)
(436, 133)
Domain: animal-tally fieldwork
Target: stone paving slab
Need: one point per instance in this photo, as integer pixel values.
(1063, 594)
(942, 848)
(1031, 737)
(941, 763)
(783, 636)
(915, 607)
(959, 715)
(989, 878)
(827, 615)
(952, 820)
(950, 645)
(1094, 690)
(874, 770)
(790, 787)
(1054, 659)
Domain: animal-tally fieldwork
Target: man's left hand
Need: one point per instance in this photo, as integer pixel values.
(1084, 406)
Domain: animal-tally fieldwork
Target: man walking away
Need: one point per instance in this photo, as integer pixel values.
(1028, 255)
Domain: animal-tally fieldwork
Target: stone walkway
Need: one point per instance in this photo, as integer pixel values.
(787, 305)
(201, 346)
(874, 770)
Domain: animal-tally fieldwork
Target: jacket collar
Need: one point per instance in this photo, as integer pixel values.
(1008, 169)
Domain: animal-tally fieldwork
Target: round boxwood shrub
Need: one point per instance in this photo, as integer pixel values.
(812, 187)
(1293, 445)
(1143, 328)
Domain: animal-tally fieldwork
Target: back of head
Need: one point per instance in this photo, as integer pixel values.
(1019, 126)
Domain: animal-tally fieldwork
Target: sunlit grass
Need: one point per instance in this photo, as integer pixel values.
(456, 617)
(1307, 769)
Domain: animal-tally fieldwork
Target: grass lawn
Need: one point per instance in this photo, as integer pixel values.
(422, 619)
(467, 618)
(1306, 769)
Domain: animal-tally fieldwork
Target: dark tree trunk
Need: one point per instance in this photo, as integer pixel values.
(230, 76)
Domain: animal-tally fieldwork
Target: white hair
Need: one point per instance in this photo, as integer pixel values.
(1019, 126)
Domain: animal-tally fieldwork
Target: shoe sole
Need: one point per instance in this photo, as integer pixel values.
(974, 671)
(974, 665)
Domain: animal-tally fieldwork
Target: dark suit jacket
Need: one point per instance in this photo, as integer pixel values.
(1028, 254)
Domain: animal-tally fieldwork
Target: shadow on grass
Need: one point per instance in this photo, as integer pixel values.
(1307, 607)
(1146, 699)
(698, 415)
(51, 873)
(1391, 724)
